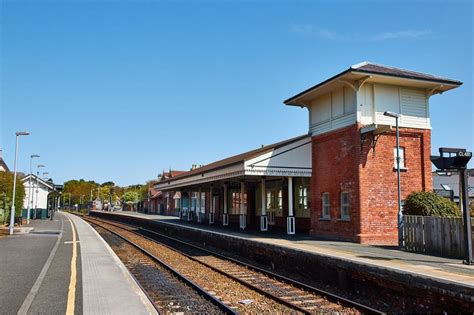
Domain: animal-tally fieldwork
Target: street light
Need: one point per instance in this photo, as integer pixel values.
(12, 213)
(37, 185)
(30, 189)
(400, 214)
(44, 175)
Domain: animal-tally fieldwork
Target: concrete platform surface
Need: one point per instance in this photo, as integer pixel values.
(40, 276)
(432, 267)
(108, 287)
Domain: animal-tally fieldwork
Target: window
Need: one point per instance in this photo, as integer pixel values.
(302, 197)
(193, 201)
(402, 158)
(177, 203)
(325, 201)
(235, 202)
(344, 205)
(203, 202)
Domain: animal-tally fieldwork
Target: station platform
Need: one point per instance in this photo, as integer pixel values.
(414, 283)
(64, 266)
(432, 268)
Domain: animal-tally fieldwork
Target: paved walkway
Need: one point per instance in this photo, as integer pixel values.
(437, 268)
(39, 274)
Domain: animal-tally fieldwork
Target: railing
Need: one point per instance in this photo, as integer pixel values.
(434, 235)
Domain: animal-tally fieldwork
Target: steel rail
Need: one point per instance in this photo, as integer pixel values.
(330, 296)
(183, 278)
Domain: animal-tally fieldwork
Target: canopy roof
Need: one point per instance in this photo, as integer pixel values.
(291, 157)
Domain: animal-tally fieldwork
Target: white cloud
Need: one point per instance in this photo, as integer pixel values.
(409, 34)
(309, 30)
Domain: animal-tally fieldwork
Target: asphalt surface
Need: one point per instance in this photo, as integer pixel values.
(22, 258)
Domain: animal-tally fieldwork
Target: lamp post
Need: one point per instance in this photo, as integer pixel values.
(37, 185)
(12, 213)
(30, 189)
(400, 214)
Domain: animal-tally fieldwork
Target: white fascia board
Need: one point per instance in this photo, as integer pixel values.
(231, 171)
(400, 80)
(293, 159)
(33, 178)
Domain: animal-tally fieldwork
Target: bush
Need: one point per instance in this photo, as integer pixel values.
(6, 187)
(430, 204)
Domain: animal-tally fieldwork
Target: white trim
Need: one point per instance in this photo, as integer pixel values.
(34, 177)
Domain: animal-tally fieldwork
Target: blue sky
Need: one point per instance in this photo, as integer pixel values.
(120, 90)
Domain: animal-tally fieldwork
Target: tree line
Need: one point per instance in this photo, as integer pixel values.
(83, 192)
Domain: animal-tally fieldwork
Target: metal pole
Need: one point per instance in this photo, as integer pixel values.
(30, 200)
(400, 214)
(12, 213)
(463, 174)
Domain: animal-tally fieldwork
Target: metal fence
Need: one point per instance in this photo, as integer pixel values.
(434, 235)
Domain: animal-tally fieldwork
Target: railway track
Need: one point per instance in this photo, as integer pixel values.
(295, 295)
(168, 290)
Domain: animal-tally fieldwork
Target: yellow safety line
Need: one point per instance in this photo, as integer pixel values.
(71, 296)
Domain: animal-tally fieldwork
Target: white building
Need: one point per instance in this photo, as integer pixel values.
(39, 190)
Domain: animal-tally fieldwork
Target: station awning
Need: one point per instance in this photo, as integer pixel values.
(287, 158)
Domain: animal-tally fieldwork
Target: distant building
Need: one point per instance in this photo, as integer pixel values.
(39, 190)
(447, 185)
(3, 165)
(158, 202)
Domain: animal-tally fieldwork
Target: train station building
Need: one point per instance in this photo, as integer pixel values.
(339, 181)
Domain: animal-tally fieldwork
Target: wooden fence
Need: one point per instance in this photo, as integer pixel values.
(434, 235)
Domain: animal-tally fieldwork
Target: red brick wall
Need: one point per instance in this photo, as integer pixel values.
(340, 164)
(378, 182)
(334, 159)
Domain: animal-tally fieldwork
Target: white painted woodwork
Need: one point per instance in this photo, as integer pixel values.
(292, 159)
(343, 106)
(242, 193)
(333, 110)
(412, 104)
(39, 192)
(225, 198)
(290, 225)
(290, 197)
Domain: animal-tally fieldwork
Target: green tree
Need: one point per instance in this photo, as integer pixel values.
(6, 193)
(430, 204)
(131, 198)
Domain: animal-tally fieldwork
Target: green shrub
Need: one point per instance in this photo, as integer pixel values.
(430, 204)
(6, 187)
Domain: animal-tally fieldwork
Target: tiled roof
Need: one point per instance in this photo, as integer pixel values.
(402, 73)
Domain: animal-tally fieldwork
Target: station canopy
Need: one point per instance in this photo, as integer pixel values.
(291, 157)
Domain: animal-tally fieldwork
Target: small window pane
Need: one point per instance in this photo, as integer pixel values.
(325, 200)
(402, 157)
(344, 205)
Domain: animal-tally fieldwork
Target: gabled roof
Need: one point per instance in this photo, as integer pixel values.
(170, 174)
(386, 74)
(239, 158)
(34, 177)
